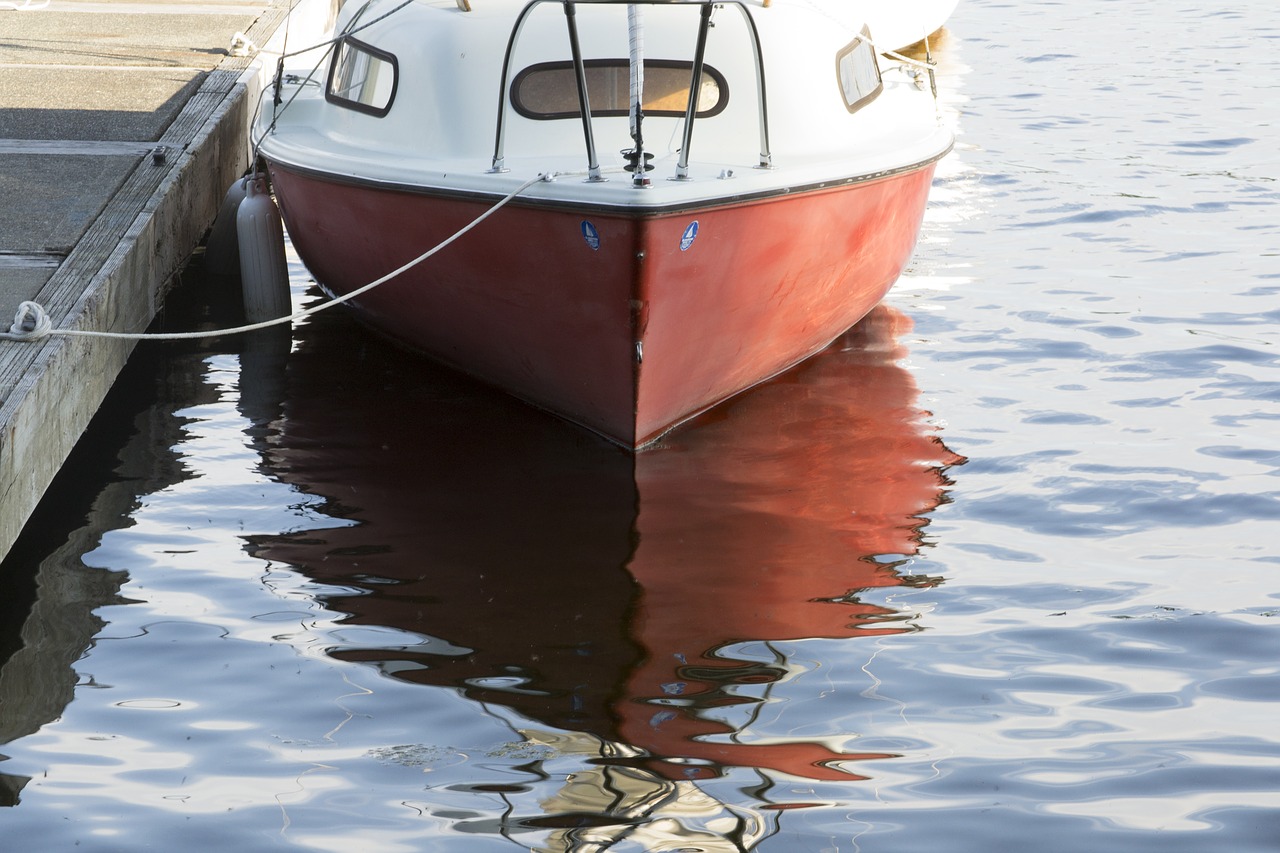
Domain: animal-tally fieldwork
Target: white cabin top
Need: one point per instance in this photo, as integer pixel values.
(426, 90)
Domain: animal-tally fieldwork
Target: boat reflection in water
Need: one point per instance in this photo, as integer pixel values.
(626, 608)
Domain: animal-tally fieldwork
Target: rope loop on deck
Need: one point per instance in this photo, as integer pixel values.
(30, 323)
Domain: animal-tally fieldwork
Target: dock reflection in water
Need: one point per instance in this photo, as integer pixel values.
(625, 608)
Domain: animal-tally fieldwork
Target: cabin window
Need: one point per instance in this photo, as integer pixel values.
(549, 90)
(362, 78)
(858, 72)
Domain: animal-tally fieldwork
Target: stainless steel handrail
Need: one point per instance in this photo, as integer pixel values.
(499, 153)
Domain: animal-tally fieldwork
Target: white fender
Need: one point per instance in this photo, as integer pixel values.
(264, 272)
(222, 248)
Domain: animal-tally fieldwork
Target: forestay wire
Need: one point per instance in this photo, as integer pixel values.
(635, 38)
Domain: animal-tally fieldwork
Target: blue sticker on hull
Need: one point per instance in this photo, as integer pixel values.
(591, 235)
(690, 234)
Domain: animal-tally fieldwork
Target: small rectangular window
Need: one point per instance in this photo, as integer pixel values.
(550, 90)
(858, 72)
(362, 78)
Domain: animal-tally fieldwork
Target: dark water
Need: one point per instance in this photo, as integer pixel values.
(998, 569)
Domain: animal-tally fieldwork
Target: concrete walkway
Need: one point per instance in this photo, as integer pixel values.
(121, 126)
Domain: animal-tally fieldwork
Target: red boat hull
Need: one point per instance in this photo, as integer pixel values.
(627, 323)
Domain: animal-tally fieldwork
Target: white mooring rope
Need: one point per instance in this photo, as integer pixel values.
(32, 323)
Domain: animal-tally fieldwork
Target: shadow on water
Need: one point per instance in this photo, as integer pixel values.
(47, 611)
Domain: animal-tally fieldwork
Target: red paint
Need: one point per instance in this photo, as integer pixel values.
(523, 302)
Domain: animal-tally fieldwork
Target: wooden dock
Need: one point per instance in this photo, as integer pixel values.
(122, 124)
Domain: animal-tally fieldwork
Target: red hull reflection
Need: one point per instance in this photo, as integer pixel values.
(596, 591)
(760, 523)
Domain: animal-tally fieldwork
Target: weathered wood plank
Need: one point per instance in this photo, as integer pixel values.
(36, 260)
(74, 147)
(115, 278)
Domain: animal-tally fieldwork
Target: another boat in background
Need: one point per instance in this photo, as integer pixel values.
(897, 26)
(654, 245)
